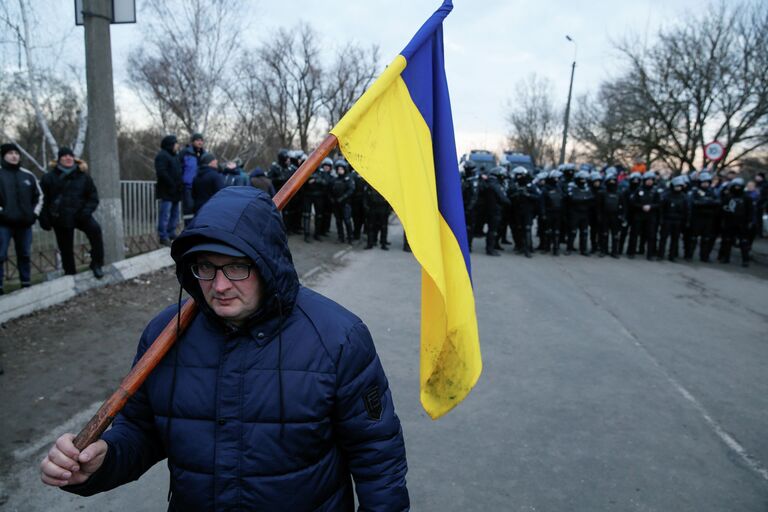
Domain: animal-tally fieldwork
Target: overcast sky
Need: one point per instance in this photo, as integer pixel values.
(490, 44)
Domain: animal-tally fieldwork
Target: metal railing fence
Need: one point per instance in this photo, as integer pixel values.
(140, 209)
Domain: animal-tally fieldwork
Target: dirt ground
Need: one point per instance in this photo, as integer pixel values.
(63, 359)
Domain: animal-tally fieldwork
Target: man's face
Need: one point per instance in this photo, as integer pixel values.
(214, 163)
(233, 301)
(67, 160)
(704, 184)
(198, 143)
(12, 157)
(176, 147)
(326, 168)
(649, 182)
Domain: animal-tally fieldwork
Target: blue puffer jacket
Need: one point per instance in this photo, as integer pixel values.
(275, 415)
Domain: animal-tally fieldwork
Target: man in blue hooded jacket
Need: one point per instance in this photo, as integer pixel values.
(272, 399)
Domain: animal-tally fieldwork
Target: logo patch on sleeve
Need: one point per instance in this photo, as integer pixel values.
(372, 401)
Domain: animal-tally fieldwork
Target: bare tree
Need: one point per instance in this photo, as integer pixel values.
(706, 78)
(263, 91)
(40, 90)
(347, 79)
(304, 76)
(279, 87)
(179, 70)
(533, 120)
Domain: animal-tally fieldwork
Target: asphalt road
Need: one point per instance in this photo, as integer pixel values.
(607, 385)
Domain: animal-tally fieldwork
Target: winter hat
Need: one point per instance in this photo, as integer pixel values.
(64, 151)
(207, 158)
(8, 147)
(168, 142)
(196, 136)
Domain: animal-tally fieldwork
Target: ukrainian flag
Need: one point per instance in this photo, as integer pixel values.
(399, 137)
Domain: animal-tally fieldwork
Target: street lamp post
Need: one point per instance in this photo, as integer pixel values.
(101, 140)
(568, 105)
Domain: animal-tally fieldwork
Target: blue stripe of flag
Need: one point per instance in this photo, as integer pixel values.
(424, 75)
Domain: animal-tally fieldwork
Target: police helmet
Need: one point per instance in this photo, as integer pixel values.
(736, 182)
(555, 174)
(582, 175)
(498, 171)
(611, 171)
(327, 161)
(469, 165)
(678, 181)
(595, 176)
(542, 175)
(635, 176)
(705, 176)
(650, 175)
(519, 171)
(341, 163)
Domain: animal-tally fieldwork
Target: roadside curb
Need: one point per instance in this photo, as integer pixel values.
(56, 291)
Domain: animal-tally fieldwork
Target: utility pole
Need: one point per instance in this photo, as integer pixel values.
(101, 140)
(568, 105)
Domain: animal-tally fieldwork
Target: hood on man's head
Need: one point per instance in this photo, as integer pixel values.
(246, 219)
(168, 142)
(206, 159)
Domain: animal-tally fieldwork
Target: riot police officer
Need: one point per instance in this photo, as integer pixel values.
(494, 200)
(704, 205)
(580, 201)
(569, 171)
(737, 218)
(279, 172)
(596, 184)
(470, 192)
(552, 211)
(612, 214)
(376, 217)
(541, 233)
(645, 208)
(633, 184)
(524, 199)
(673, 212)
(315, 192)
(341, 192)
(359, 215)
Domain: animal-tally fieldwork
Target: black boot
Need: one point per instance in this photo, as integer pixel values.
(528, 243)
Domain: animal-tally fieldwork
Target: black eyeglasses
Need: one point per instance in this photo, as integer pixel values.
(233, 271)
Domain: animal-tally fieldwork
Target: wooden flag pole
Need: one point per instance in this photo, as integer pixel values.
(155, 353)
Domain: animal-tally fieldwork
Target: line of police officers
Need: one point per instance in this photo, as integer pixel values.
(334, 189)
(602, 213)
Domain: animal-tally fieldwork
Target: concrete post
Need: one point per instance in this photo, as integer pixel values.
(101, 140)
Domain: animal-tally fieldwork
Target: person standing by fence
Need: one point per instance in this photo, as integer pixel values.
(20, 203)
(207, 182)
(169, 189)
(190, 161)
(70, 198)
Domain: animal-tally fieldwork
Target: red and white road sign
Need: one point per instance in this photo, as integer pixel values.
(714, 151)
